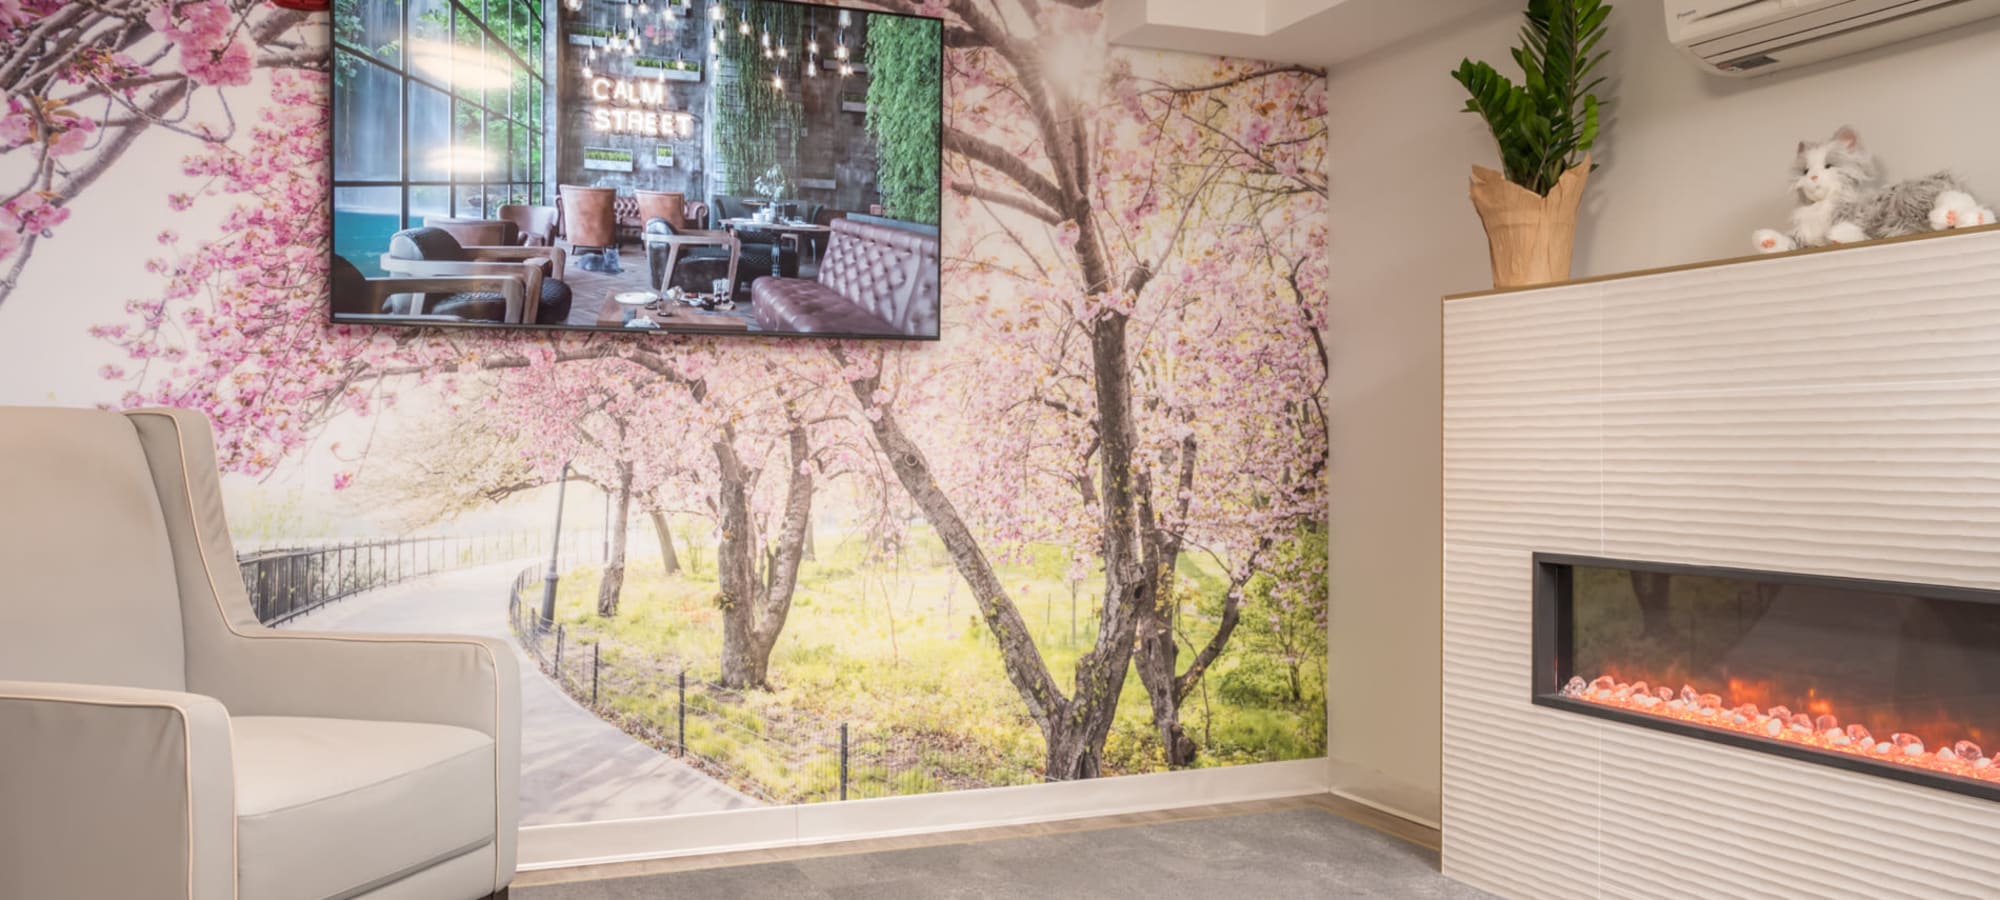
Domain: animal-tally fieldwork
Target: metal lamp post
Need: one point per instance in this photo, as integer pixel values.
(555, 548)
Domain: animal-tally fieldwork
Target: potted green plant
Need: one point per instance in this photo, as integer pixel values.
(772, 186)
(1545, 128)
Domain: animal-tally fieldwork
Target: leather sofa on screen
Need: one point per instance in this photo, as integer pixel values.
(157, 741)
(874, 280)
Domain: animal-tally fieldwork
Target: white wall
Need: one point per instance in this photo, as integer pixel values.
(1691, 164)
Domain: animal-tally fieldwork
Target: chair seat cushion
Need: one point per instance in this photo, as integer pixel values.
(492, 306)
(808, 307)
(331, 807)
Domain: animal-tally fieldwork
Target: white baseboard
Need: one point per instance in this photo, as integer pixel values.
(1379, 791)
(626, 840)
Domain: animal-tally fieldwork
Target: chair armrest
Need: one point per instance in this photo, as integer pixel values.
(529, 273)
(115, 792)
(394, 319)
(510, 287)
(470, 682)
(554, 256)
(694, 238)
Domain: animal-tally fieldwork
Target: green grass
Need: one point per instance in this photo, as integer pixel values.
(900, 655)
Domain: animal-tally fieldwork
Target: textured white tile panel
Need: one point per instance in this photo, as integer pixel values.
(1783, 829)
(1886, 480)
(1916, 311)
(1836, 413)
(1513, 809)
(1522, 418)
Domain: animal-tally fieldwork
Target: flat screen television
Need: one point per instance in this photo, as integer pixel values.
(711, 166)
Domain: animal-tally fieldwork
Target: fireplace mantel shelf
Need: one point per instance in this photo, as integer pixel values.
(1727, 261)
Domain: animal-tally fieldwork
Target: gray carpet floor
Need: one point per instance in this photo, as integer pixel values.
(1302, 853)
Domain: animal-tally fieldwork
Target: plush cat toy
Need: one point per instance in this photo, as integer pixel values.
(1835, 184)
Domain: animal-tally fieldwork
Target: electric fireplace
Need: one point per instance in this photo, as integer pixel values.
(1887, 678)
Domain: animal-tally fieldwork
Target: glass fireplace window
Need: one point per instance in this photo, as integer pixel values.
(1895, 679)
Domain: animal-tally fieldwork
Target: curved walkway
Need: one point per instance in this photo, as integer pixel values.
(575, 767)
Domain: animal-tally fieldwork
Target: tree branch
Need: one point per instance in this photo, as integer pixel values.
(1161, 87)
(1232, 612)
(1008, 164)
(975, 192)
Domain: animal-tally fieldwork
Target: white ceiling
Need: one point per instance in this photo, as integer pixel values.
(1312, 32)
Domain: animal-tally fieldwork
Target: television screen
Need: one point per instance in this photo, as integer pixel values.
(712, 166)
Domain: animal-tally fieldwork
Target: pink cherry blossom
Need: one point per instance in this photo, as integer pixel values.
(1191, 239)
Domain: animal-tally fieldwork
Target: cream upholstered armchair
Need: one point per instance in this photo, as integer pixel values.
(156, 741)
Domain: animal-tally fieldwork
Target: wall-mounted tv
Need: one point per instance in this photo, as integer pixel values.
(711, 166)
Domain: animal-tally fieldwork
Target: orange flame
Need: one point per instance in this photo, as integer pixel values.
(1960, 756)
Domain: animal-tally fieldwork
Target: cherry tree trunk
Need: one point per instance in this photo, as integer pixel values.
(756, 601)
(1156, 661)
(1075, 727)
(613, 582)
(1018, 654)
(670, 561)
(736, 572)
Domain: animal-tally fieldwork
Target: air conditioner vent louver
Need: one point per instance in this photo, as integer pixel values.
(1750, 62)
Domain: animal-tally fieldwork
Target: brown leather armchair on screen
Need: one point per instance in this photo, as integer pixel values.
(537, 224)
(588, 216)
(478, 232)
(668, 205)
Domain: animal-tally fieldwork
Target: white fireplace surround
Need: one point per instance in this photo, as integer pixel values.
(1834, 413)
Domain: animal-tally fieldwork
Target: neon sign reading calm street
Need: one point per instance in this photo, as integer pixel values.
(656, 122)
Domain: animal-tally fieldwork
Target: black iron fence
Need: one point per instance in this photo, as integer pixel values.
(797, 761)
(289, 581)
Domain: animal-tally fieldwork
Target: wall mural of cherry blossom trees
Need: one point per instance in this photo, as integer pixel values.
(1083, 535)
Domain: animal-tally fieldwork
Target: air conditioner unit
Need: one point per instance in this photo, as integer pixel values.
(1741, 39)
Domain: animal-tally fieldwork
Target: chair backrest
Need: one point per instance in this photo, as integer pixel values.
(91, 595)
(589, 217)
(668, 205)
(428, 243)
(728, 207)
(351, 294)
(888, 271)
(533, 221)
(478, 232)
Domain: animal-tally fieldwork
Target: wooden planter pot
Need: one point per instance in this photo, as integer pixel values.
(1530, 236)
